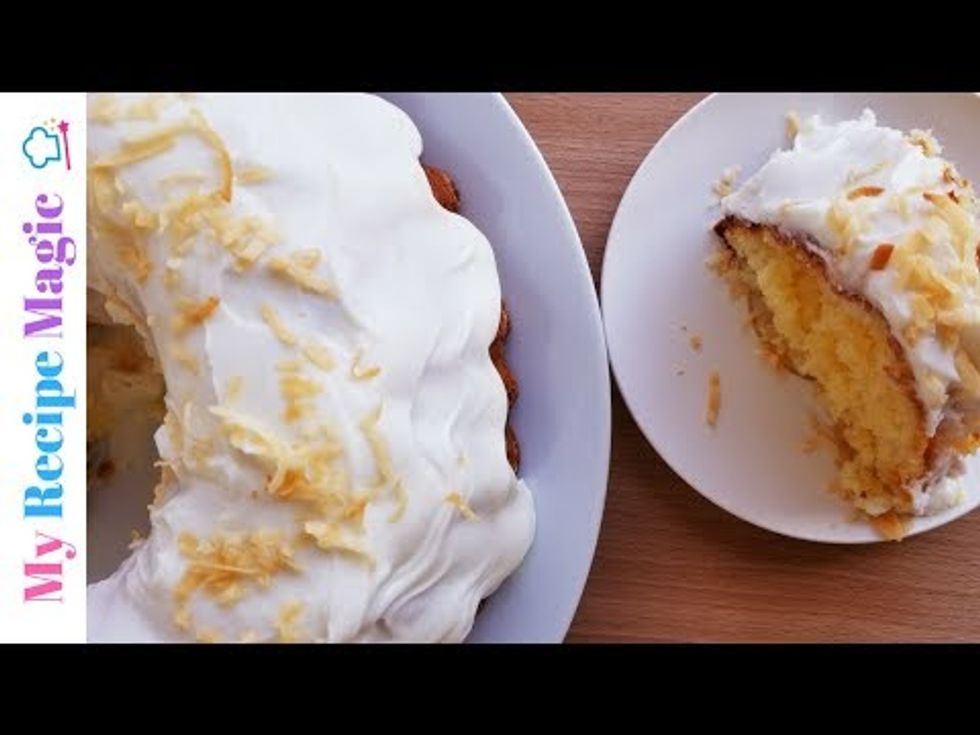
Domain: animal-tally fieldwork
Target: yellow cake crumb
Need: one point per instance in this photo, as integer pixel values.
(822, 434)
(714, 399)
(891, 526)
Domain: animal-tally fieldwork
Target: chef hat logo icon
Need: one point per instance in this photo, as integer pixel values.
(41, 147)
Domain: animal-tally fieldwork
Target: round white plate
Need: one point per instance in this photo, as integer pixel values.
(656, 292)
(556, 350)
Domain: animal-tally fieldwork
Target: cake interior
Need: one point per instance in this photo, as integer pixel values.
(844, 346)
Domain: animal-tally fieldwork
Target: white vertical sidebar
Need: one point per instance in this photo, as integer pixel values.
(42, 353)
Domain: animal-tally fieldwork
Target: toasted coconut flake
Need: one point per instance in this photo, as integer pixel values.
(456, 500)
(184, 356)
(182, 178)
(287, 622)
(136, 150)
(864, 191)
(844, 223)
(298, 393)
(948, 335)
(714, 399)
(245, 238)
(133, 257)
(182, 618)
(119, 312)
(171, 278)
(211, 137)
(289, 270)
(925, 140)
(233, 388)
(318, 355)
(271, 317)
(959, 222)
(208, 636)
(401, 502)
(382, 458)
(881, 256)
(969, 375)
(225, 565)
(188, 217)
(167, 480)
(726, 182)
(329, 537)
(103, 109)
(309, 477)
(193, 313)
(855, 175)
(363, 372)
(139, 216)
(248, 175)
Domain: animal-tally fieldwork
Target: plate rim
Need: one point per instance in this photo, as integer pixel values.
(598, 325)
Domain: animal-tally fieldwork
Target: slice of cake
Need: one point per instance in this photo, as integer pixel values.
(856, 251)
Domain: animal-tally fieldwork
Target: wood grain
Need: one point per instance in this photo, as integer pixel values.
(670, 566)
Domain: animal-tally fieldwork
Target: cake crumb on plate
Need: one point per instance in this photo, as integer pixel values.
(890, 525)
(726, 183)
(714, 398)
(792, 125)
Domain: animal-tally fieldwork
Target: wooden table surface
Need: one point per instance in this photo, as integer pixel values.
(671, 566)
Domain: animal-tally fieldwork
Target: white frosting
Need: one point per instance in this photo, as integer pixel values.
(417, 295)
(814, 191)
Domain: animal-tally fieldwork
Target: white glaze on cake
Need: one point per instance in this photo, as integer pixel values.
(846, 189)
(368, 364)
